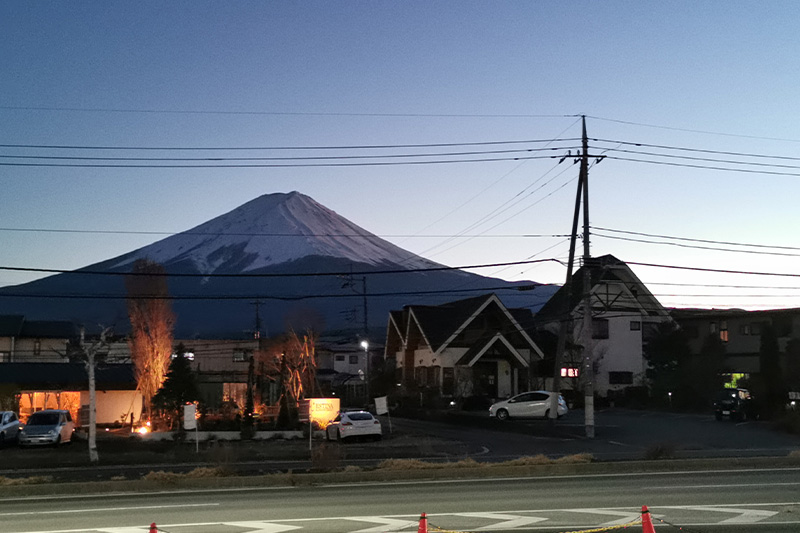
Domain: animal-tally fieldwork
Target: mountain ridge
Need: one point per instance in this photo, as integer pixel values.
(287, 249)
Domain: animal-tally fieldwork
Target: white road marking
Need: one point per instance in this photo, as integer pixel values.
(260, 526)
(625, 517)
(507, 521)
(385, 524)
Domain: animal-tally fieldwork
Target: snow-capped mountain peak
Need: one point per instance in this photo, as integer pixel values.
(270, 230)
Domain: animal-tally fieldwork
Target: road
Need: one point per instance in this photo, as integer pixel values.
(760, 501)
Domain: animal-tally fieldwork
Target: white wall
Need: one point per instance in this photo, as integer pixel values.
(112, 405)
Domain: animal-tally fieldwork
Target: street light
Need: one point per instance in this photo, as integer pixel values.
(365, 345)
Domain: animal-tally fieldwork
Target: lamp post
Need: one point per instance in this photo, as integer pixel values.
(365, 345)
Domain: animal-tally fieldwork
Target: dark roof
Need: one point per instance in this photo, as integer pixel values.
(49, 329)
(11, 325)
(55, 376)
(601, 269)
(18, 326)
(441, 321)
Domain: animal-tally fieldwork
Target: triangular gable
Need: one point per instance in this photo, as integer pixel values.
(492, 298)
(474, 354)
(602, 269)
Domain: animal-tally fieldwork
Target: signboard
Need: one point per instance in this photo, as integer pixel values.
(381, 406)
(319, 410)
(189, 416)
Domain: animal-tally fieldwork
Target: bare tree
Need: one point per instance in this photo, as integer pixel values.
(152, 320)
(293, 362)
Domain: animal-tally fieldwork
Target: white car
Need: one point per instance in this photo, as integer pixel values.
(354, 424)
(534, 404)
(9, 427)
(51, 426)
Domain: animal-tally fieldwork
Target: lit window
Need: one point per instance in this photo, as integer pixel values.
(723, 331)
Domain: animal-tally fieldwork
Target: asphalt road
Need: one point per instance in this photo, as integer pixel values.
(757, 500)
(620, 435)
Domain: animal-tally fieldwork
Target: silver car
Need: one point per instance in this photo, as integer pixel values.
(534, 404)
(51, 426)
(9, 427)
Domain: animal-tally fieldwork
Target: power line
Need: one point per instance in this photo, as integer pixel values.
(281, 113)
(699, 150)
(274, 275)
(705, 132)
(695, 246)
(271, 234)
(278, 165)
(704, 167)
(707, 241)
(285, 158)
(717, 270)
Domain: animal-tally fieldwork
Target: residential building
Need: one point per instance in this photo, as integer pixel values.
(470, 347)
(740, 332)
(624, 315)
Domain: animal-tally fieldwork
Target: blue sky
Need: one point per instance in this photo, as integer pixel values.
(266, 74)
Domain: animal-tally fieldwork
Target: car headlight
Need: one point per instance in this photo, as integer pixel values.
(52, 432)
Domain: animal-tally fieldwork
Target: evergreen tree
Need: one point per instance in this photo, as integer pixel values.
(669, 365)
(180, 387)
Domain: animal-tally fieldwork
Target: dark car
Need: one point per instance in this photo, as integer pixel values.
(737, 404)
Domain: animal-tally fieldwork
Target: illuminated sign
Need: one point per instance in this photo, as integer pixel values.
(319, 410)
(569, 372)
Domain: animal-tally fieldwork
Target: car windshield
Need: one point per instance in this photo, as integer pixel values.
(43, 419)
(360, 416)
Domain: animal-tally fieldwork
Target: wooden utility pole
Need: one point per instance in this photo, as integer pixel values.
(588, 362)
(565, 313)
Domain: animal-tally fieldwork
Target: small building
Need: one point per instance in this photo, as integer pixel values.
(470, 347)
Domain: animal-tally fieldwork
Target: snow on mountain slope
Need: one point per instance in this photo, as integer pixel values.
(270, 230)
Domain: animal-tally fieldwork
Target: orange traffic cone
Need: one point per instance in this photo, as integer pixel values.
(153, 528)
(647, 522)
(423, 524)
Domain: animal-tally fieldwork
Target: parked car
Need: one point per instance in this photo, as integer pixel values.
(9, 427)
(354, 424)
(737, 404)
(51, 426)
(533, 404)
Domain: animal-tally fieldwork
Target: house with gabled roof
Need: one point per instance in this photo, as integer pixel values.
(470, 347)
(625, 315)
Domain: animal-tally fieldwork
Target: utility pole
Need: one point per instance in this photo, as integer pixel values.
(565, 313)
(257, 333)
(588, 363)
(587, 370)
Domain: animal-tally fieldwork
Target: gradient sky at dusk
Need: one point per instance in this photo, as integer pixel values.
(708, 76)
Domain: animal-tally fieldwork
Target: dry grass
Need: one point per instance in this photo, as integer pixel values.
(170, 478)
(795, 454)
(536, 460)
(33, 480)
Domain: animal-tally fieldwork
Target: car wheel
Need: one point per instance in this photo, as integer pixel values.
(502, 414)
(57, 441)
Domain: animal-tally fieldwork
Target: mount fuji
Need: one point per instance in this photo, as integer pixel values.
(282, 256)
